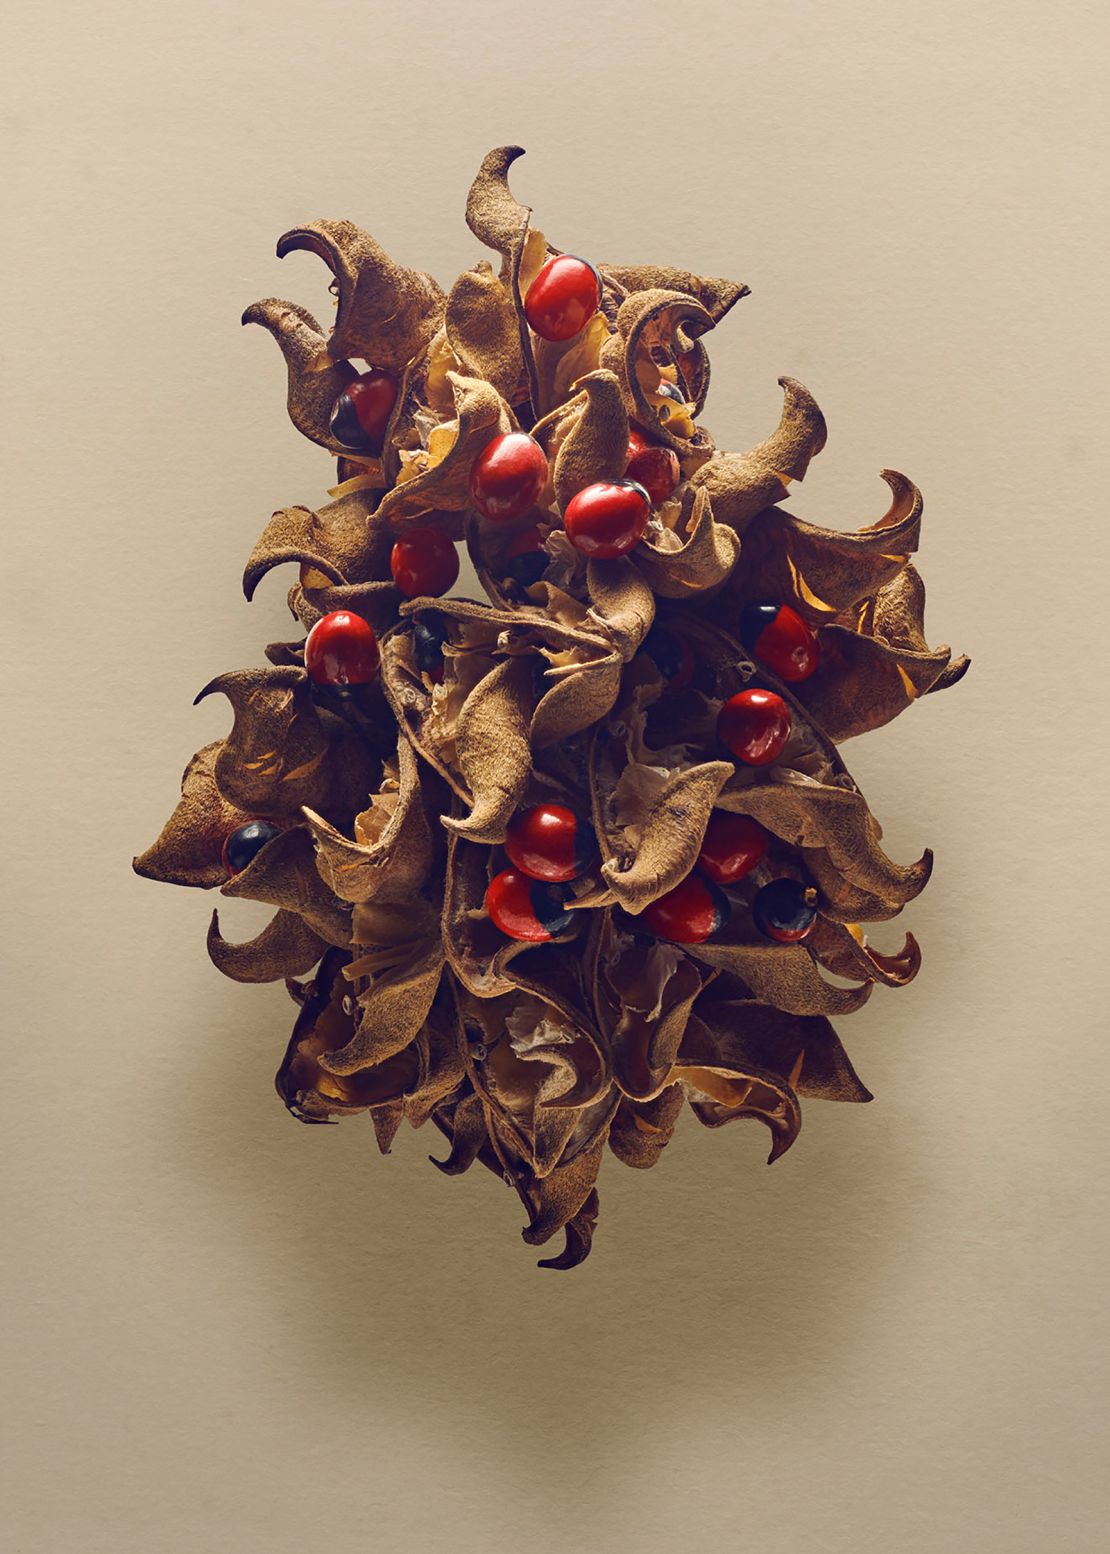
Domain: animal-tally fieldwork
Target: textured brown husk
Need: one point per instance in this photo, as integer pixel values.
(393, 799)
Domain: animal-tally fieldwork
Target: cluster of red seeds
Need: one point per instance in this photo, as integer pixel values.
(547, 844)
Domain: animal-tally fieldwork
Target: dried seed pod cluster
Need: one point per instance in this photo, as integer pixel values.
(554, 864)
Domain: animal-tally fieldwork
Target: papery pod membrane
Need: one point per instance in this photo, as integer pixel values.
(716, 296)
(802, 1049)
(494, 755)
(315, 379)
(579, 1233)
(463, 1124)
(493, 214)
(377, 602)
(522, 1087)
(189, 849)
(442, 1071)
(839, 951)
(483, 332)
(281, 753)
(286, 947)
(386, 312)
(558, 366)
(395, 1005)
(643, 994)
(785, 975)
(862, 683)
(723, 1085)
(498, 219)
(621, 603)
(703, 559)
(441, 481)
(582, 674)
(833, 820)
(564, 1197)
(593, 444)
(825, 573)
(650, 828)
(658, 326)
(393, 848)
(284, 874)
(556, 974)
(641, 1130)
(326, 1023)
(741, 485)
(344, 542)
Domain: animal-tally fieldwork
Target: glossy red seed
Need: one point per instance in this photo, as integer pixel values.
(371, 396)
(511, 901)
(508, 476)
(755, 726)
(656, 468)
(424, 562)
(780, 638)
(607, 519)
(731, 848)
(549, 842)
(341, 649)
(562, 298)
(689, 914)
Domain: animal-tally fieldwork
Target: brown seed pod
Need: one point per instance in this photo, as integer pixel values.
(577, 703)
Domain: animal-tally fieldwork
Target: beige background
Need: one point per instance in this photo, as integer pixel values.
(225, 1331)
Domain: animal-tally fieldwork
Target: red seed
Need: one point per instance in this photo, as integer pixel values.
(524, 908)
(362, 411)
(689, 914)
(607, 519)
(656, 468)
(562, 298)
(424, 562)
(755, 726)
(549, 842)
(778, 637)
(508, 476)
(732, 846)
(341, 649)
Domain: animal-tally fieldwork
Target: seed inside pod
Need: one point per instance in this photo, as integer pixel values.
(508, 476)
(246, 842)
(549, 842)
(424, 562)
(526, 559)
(656, 468)
(785, 910)
(672, 655)
(341, 649)
(693, 911)
(525, 908)
(778, 636)
(429, 634)
(362, 411)
(607, 519)
(563, 298)
(731, 847)
(755, 725)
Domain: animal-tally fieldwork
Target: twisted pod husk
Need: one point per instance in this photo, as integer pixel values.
(390, 815)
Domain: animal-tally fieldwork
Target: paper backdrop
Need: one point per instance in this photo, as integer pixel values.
(225, 1331)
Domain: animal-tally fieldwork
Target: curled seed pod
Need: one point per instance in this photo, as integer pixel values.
(554, 864)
